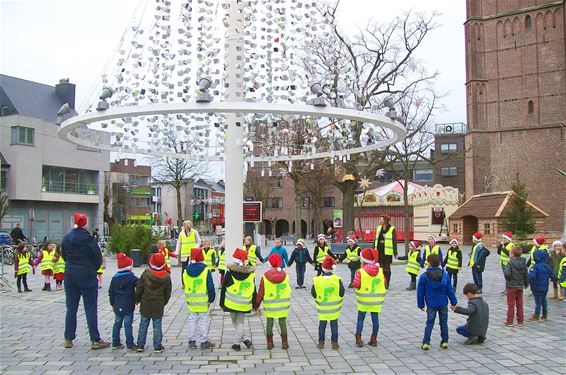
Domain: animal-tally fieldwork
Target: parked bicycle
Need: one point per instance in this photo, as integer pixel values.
(8, 254)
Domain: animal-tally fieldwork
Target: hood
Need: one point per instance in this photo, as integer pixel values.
(275, 276)
(371, 269)
(158, 277)
(122, 273)
(195, 269)
(436, 278)
(518, 263)
(239, 272)
(539, 256)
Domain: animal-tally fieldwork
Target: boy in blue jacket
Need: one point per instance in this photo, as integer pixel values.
(434, 291)
(539, 275)
(122, 299)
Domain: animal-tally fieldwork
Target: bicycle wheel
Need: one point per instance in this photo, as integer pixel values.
(8, 255)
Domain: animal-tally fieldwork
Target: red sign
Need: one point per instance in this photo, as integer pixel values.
(252, 212)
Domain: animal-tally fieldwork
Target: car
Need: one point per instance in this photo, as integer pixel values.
(5, 238)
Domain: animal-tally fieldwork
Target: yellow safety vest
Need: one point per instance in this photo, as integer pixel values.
(352, 255)
(371, 294)
(452, 260)
(413, 266)
(388, 237)
(187, 243)
(239, 295)
(222, 261)
(47, 260)
(23, 263)
(59, 265)
(427, 251)
(474, 254)
(252, 258)
(196, 292)
(165, 253)
(208, 258)
(322, 253)
(562, 284)
(504, 256)
(328, 300)
(277, 298)
(534, 248)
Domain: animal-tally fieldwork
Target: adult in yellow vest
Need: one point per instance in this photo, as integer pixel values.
(22, 266)
(555, 259)
(321, 251)
(328, 292)
(503, 249)
(275, 292)
(477, 259)
(254, 253)
(413, 259)
(45, 261)
(370, 294)
(431, 248)
(539, 243)
(352, 257)
(453, 262)
(188, 239)
(386, 245)
(199, 294)
(238, 295)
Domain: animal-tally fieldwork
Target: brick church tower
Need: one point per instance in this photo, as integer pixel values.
(516, 100)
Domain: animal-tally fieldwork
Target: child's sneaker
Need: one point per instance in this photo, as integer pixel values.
(444, 345)
(192, 345)
(520, 324)
(100, 344)
(159, 349)
(320, 345)
(335, 345)
(248, 344)
(543, 317)
(132, 348)
(425, 346)
(68, 344)
(508, 324)
(534, 318)
(236, 347)
(117, 346)
(140, 349)
(206, 345)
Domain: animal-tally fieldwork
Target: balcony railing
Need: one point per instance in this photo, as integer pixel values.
(69, 188)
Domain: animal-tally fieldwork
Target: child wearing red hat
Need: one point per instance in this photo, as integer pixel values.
(275, 292)
(199, 294)
(153, 292)
(539, 243)
(370, 294)
(238, 295)
(477, 260)
(503, 250)
(413, 263)
(352, 257)
(328, 292)
(121, 293)
(453, 262)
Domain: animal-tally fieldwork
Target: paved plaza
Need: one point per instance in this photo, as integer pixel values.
(31, 337)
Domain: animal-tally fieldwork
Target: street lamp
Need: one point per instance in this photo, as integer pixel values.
(107, 93)
(204, 96)
(316, 89)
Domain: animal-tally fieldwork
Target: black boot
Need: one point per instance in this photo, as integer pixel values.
(412, 286)
(48, 288)
(44, 287)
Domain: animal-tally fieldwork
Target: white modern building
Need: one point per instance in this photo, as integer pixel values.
(46, 178)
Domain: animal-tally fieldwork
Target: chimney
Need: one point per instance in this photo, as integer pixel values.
(66, 92)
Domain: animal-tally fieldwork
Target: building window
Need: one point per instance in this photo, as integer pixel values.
(328, 202)
(528, 22)
(22, 135)
(67, 180)
(531, 107)
(446, 148)
(306, 202)
(276, 202)
(486, 228)
(140, 202)
(448, 171)
(139, 180)
(455, 228)
(3, 180)
(200, 193)
(424, 175)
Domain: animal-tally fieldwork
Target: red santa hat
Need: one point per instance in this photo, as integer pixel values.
(275, 261)
(329, 264)
(416, 244)
(454, 241)
(508, 235)
(79, 220)
(157, 261)
(320, 236)
(240, 256)
(352, 239)
(539, 240)
(477, 237)
(432, 236)
(125, 263)
(369, 256)
(196, 255)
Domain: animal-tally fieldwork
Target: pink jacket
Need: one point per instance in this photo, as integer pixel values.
(372, 269)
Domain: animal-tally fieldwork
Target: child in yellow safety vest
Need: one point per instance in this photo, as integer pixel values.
(321, 251)
(413, 263)
(328, 292)
(45, 261)
(58, 268)
(539, 243)
(453, 262)
(100, 271)
(238, 295)
(209, 255)
(555, 261)
(370, 294)
(562, 273)
(199, 294)
(275, 292)
(352, 257)
(162, 248)
(22, 266)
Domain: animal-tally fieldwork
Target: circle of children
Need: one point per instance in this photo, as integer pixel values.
(239, 294)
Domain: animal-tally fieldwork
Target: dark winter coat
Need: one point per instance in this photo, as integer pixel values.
(153, 292)
(516, 273)
(300, 255)
(434, 289)
(540, 273)
(194, 270)
(478, 316)
(237, 272)
(122, 291)
(82, 258)
(480, 257)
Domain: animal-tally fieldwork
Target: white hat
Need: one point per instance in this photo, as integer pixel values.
(301, 241)
(320, 236)
(432, 236)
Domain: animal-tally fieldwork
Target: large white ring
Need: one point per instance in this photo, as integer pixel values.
(399, 132)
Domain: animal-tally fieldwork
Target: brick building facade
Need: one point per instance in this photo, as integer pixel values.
(516, 100)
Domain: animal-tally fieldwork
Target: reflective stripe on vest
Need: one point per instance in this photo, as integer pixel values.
(413, 266)
(328, 300)
(504, 256)
(532, 252)
(23, 263)
(165, 253)
(59, 265)
(562, 264)
(352, 255)
(239, 295)
(322, 253)
(252, 258)
(222, 261)
(208, 258)
(47, 260)
(196, 291)
(372, 291)
(388, 238)
(187, 243)
(452, 261)
(427, 251)
(277, 298)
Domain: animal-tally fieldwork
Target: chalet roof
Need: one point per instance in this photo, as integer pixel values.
(490, 205)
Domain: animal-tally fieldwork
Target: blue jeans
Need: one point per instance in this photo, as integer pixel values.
(352, 274)
(333, 330)
(157, 333)
(374, 322)
(128, 320)
(540, 301)
(463, 331)
(443, 320)
(477, 275)
(73, 293)
(301, 268)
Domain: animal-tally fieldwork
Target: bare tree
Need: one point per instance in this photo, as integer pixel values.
(4, 206)
(109, 215)
(316, 187)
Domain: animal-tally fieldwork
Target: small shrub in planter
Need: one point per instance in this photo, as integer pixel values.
(127, 237)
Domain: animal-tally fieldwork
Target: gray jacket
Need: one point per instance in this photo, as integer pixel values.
(478, 316)
(516, 274)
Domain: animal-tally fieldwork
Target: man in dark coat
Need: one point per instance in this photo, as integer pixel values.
(17, 235)
(82, 259)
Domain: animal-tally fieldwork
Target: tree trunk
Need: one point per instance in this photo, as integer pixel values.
(317, 220)
(298, 231)
(348, 191)
(179, 208)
